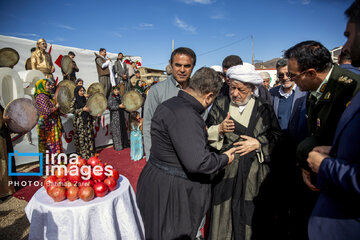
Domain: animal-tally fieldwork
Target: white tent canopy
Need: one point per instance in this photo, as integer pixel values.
(85, 59)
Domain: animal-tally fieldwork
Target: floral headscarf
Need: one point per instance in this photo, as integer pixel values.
(40, 88)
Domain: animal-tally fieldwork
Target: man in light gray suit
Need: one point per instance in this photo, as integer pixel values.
(182, 62)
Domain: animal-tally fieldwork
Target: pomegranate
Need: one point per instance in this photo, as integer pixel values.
(68, 184)
(98, 173)
(111, 183)
(100, 189)
(72, 193)
(81, 162)
(73, 174)
(50, 188)
(59, 172)
(60, 182)
(49, 181)
(115, 174)
(58, 193)
(86, 183)
(86, 193)
(93, 161)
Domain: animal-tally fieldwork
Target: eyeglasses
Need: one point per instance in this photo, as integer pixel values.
(291, 75)
(282, 75)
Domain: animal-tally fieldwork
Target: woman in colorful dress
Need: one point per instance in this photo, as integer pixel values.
(117, 120)
(84, 137)
(136, 140)
(49, 125)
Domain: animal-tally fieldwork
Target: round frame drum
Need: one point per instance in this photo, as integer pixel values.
(23, 115)
(97, 104)
(64, 99)
(132, 100)
(95, 88)
(9, 57)
(66, 64)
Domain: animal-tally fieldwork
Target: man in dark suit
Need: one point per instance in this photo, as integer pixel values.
(289, 107)
(337, 212)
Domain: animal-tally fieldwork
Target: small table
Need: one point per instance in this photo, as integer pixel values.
(114, 216)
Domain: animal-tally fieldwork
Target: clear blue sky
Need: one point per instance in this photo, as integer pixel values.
(212, 28)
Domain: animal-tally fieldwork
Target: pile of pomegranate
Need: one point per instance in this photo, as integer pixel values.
(84, 180)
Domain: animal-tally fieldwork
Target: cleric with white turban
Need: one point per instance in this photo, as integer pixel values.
(244, 73)
(249, 123)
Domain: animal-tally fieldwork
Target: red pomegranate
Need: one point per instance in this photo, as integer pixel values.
(58, 193)
(60, 182)
(68, 184)
(115, 174)
(81, 162)
(93, 161)
(74, 174)
(72, 193)
(86, 183)
(100, 189)
(86, 193)
(59, 172)
(98, 173)
(49, 181)
(111, 183)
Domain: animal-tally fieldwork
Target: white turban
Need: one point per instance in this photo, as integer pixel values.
(244, 73)
(217, 68)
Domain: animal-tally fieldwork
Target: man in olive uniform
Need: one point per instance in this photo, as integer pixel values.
(330, 90)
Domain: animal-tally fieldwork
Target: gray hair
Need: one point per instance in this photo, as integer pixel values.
(264, 75)
(205, 80)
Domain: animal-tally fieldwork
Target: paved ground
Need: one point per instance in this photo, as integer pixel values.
(13, 222)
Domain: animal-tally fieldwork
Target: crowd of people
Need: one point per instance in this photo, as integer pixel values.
(223, 147)
(277, 164)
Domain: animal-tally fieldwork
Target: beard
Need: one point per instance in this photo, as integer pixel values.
(242, 102)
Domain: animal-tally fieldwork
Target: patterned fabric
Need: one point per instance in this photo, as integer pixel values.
(136, 143)
(84, 137)
(40, 88)
(49, 125)
(117, 124)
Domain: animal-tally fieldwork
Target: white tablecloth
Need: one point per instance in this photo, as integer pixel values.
(114, 216)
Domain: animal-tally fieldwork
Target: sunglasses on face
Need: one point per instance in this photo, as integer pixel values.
(282, 75)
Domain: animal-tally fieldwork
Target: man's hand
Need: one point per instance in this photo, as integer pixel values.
(322, 149)
(227, 125)
(122, 106)
(315, 158)
(86, 109)
(307, 180)
(248, 145)
(230, 154)
(124, 76)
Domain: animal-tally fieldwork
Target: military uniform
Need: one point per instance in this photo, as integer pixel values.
(323, 115)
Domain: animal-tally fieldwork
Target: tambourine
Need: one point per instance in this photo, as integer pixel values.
(23, 115)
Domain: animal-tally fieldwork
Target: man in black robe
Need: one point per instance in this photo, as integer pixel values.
(173, 191)
(241, 207)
